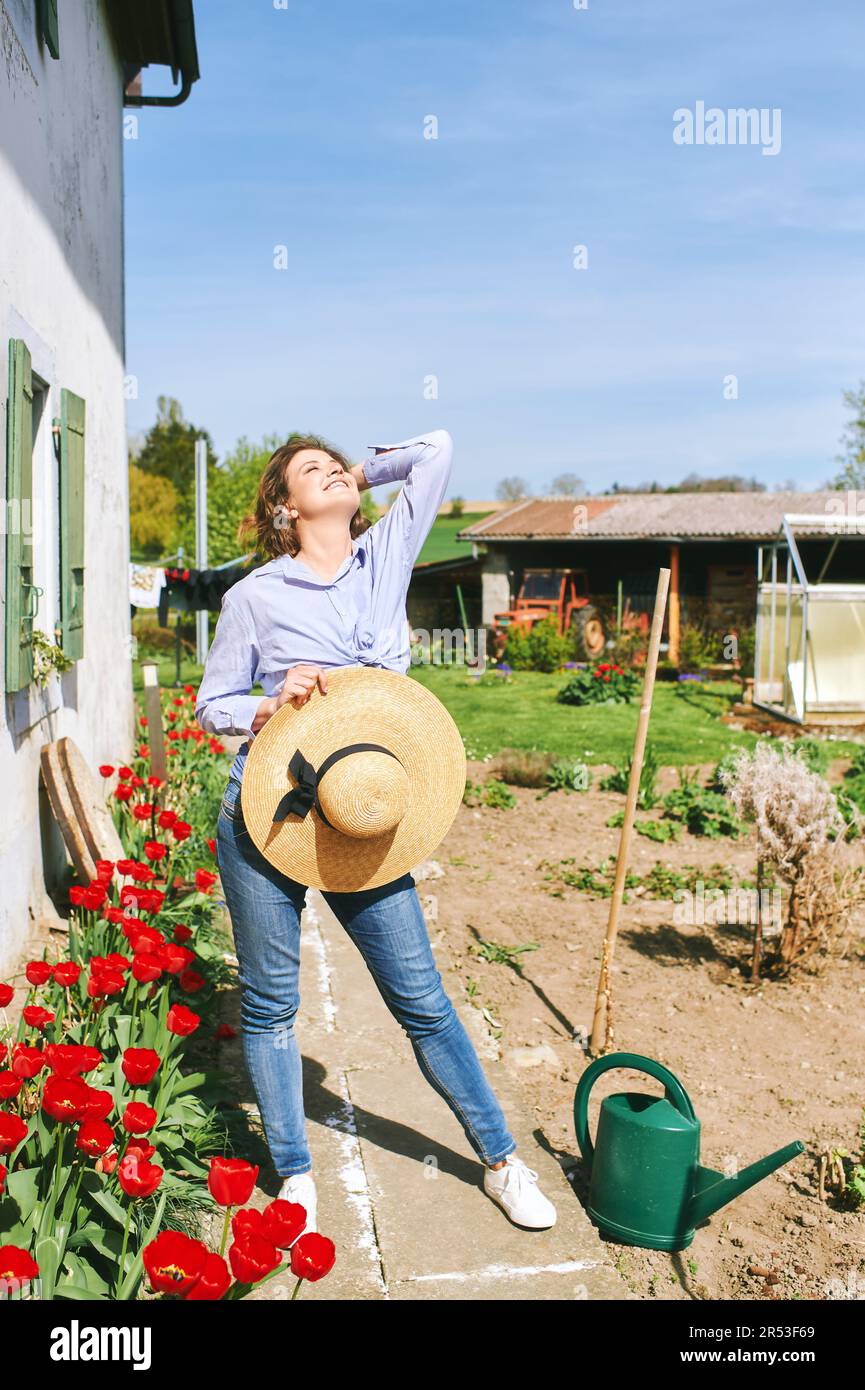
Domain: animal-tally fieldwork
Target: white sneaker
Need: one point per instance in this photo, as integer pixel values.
(515, 1188)
(300, 1187)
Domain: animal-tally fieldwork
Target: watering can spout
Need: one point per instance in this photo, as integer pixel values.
(712, 1190)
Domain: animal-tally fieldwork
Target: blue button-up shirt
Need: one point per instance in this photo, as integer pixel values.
(284, 613)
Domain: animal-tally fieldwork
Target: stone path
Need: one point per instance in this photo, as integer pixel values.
(399, 1187)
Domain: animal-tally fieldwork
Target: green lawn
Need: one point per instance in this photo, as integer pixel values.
(441, 544)
(523, 713)
(492, 714)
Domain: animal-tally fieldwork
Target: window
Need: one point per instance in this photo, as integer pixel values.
(26, 404)
(47, 24)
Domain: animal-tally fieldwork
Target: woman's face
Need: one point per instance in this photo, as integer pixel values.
(319, 486)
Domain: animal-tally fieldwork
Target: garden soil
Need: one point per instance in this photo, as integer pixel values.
(763, 1064)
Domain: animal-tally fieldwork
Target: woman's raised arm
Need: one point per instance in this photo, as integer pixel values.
(424, 465)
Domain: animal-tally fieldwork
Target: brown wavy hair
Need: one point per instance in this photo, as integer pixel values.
(274, 530)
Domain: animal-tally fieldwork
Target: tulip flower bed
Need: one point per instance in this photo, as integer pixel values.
(112, 1150)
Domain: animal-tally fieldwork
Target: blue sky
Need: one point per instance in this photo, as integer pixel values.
(410, 258)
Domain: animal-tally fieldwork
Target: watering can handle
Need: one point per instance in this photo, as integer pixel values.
(674, 1089)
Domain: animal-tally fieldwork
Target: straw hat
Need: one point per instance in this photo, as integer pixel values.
(358, 785)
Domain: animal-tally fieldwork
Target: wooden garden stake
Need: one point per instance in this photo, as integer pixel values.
(602, 1030)
(153, 709)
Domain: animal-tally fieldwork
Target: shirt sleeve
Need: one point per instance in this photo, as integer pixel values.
(223, 704)
(424, 465)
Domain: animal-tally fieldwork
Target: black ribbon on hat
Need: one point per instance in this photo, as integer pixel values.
(302, 798)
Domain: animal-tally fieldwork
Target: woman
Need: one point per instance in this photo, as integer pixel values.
(333, 594)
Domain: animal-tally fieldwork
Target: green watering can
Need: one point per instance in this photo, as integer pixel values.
(647, 1184)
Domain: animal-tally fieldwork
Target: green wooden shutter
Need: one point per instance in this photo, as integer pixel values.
(72, 524)
(20, 594)
(49, 28)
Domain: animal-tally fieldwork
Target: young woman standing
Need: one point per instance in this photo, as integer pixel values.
(333, 594)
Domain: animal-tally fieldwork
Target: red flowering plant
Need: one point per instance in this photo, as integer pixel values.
(169, 823)
(182, 1268)
(104, 1123)
(603, 683)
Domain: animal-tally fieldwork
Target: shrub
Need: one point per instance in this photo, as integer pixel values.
(492, 793)
(523, 767)
(539, 649)
(567, 777)
(601, 684)
(800, 833)
(647, 794)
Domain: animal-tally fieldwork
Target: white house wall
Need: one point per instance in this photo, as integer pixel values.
(61, 291)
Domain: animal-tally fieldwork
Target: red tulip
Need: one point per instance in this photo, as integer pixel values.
(105, 770)
(37, 1017)
(126, 867)
(282, 1222)
(204, 880)
(65, 1100)
(213, 1283)
(66, 973)
(155, 851)
(71, 1059)
(146, 967)
(137, 1176)
(104, 982)
(12, 1131)
(225, 1030)
(142, 811)
(16, 1265)
(181, 933)
(174, 1262)
(249, 1221)
(251, 1257)
(138, 1118)
(181, 830)
(94, 1137)
(97, 1104)
(38, 972)
(108, 1162)
(141, 1147)
(27, 1061)
(140, 1065)
(95, 897)
(181, 1021)
(172, 957)
(105, 868)
(191, 981)
(10, 1085)
(76, 895)
(123, 793)
(6, 992)
(231, 1181)
(2, 1178)
(166, 819)
(312, 1256)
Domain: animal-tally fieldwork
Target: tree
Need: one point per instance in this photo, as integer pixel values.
(152, 514)
(852, 460)
(512, 490)
(567, 485)
(168, 453)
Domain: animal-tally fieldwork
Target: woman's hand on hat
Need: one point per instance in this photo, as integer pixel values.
(299, 683)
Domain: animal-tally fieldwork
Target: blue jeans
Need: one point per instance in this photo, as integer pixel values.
(387, 926)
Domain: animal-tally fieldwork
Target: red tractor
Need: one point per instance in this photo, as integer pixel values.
(565, 594)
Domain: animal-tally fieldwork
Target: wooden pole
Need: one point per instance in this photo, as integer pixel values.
(602, 1030)
(153, 710)
(675, 624)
